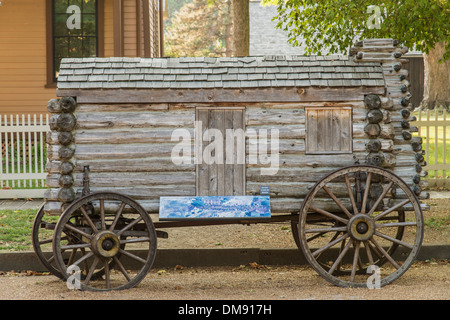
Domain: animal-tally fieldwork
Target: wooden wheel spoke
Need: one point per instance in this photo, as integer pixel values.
(45, 241)
(86, 265)
(129, 226)
(395, 224)
(328, 214)
(366, 192)
(122, 268)
(381, 197)
(315, 236)
(336, 200)
(72, 257)
(88, 219)
(102, 214)
(384, 253)
(373, 249)
(397, 206)
(82, 259)
(135, 240)
(385, 236)
(76, 246)
(350, 194)
(326, 230)
(91, 270)
(75, 229)
(107, 274)
(132, 256)
(330, 244)
(339, 258)
(369, 253)
(321, 234)
(116, 218)
(356, 245)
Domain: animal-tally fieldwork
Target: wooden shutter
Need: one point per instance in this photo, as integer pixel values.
(328, 130)
(223, 178)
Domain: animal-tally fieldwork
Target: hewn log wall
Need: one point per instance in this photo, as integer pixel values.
(128, 149)
(407, 153)
(298, 171)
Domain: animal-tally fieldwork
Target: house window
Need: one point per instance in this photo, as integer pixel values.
(74, 30)
(328, 130)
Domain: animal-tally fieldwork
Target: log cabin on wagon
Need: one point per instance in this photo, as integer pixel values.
(327, 138)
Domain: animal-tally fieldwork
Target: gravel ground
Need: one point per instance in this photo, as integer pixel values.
(423, 281)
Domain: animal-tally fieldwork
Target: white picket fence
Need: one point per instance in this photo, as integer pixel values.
(433, 129)
(23, 156)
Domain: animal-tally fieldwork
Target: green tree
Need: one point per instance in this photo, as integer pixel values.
(335, 25)
(200, 28)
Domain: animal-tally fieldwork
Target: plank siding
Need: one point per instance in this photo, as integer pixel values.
(23, 69)
(328, 130)
(130, 28)
(224, 177)
(23, 50)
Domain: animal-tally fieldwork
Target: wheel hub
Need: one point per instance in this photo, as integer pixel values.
(105, 244)
(361, 227)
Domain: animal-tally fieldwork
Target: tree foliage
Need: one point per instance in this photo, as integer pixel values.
(199, 28)
(335, 25)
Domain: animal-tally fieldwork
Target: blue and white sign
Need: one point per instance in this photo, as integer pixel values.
(264, 190)
(212, 207)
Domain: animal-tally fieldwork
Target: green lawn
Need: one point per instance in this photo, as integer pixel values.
(15, 229)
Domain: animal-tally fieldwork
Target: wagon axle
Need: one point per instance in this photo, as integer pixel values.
(362, 227)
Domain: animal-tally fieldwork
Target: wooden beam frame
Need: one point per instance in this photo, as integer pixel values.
(283, 94)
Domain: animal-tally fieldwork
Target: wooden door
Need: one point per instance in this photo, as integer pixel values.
(220, 165)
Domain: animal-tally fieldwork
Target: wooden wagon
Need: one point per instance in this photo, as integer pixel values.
(325, 141)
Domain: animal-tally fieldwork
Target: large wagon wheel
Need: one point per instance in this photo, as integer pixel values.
(42, 237)
(97, 227)
(352, 221)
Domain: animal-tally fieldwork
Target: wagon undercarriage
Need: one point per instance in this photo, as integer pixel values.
(347, 245)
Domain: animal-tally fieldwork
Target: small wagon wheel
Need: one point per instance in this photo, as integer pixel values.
(352, 221)
(97, 227)
(42, 237)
